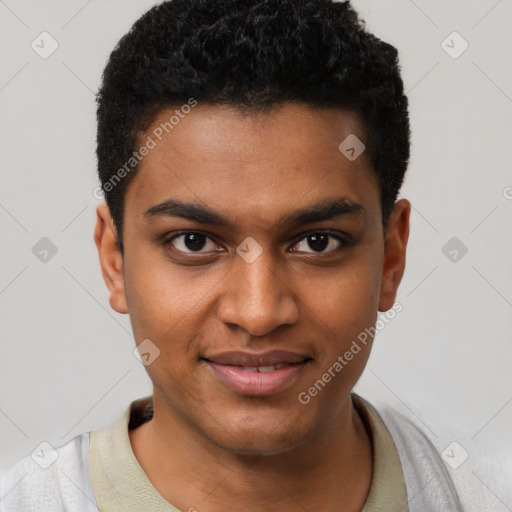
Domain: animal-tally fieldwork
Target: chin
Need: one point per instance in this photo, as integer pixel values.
(259, 438)
(256, 447)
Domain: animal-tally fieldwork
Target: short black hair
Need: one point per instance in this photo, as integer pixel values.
(250, 54)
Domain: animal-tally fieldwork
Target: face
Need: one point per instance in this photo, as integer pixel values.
(254, 258)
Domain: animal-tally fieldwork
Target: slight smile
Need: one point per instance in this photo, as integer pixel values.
(257, 374)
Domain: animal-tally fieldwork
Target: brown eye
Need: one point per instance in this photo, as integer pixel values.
(192, 242)
(320, 241)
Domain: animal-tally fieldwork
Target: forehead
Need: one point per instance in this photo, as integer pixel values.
(259, 163)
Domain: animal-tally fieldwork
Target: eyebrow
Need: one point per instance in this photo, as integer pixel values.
(319, 212)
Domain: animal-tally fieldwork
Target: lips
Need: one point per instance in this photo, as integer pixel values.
(255, 374)
(247, 359)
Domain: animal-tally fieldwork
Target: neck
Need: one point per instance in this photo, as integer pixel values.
(332, 470)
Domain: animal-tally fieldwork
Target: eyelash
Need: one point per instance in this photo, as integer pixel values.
(344, 240)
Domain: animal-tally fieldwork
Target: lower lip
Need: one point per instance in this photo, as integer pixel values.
(255, 383)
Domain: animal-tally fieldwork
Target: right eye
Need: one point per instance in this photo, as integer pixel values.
(190, 242)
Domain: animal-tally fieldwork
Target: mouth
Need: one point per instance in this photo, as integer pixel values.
(257, 374)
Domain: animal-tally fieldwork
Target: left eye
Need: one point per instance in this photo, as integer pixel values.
(319, 242)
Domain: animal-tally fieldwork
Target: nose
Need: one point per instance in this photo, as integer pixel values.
(256, 298)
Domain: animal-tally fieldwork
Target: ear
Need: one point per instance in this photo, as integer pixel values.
(395, 245)
(111, 261)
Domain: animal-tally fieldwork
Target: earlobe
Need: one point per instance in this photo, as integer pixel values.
(111, 261)
(397, 236)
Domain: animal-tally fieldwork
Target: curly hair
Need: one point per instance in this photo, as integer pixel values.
(251, 54)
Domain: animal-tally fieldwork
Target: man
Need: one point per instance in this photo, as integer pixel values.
(251, 154)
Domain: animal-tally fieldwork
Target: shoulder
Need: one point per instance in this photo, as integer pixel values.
(57, 477)
(447, 470)
(426, 478)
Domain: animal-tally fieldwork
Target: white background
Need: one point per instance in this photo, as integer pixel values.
(67, 363)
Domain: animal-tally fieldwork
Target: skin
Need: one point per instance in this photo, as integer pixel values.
(207, 445)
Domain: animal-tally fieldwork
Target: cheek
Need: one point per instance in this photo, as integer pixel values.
(166, 306)
(163, 297)
(343, 314)
(346, 301)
